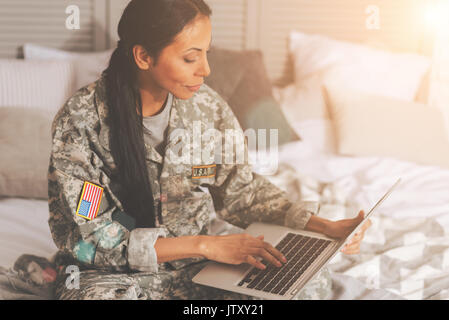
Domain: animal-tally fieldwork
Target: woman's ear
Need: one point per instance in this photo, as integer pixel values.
(141, 57)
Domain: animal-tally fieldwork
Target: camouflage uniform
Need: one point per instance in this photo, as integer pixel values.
(115, 255)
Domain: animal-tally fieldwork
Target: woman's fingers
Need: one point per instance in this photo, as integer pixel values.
(351, 248)
(359, 218)
(367, 224)
(265, 255)
(267, 252)
(275, 252)
(356, 221)
(357, 237)
(254, 262)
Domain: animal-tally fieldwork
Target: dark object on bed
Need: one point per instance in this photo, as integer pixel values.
(240, 77)
(31, 278)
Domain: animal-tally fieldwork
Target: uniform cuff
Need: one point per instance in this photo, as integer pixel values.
(141, 253)
(299, 214)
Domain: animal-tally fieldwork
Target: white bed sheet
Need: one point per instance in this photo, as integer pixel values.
(423, 191)
(406, 251)
(24, 229)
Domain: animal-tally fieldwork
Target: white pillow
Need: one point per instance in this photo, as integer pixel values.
(305, 108)
(396, 75)
(35, 84)
(318, 133)
(303, 101)
(89, 66)
(25, 148)
(369, 125)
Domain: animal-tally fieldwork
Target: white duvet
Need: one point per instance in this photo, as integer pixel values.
(406, 251)
(24, 229)
(423, 192)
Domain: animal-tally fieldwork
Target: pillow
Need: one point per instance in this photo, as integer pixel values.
(25, 136)
(304, 101)
(226, 71)
(89, 66)
(396, 75)
(369, 125)
(241, 78)
(35, 84)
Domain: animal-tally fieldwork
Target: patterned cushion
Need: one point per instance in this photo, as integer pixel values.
(241, 79)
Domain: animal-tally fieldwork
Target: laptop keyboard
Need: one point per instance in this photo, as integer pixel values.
(300, 252)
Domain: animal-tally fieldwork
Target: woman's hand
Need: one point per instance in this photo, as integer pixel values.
(241, 248)
(342, 228)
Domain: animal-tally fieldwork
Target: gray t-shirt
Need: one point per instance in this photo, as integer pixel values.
(155, 127)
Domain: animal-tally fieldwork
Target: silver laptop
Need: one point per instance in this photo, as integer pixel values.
(306, 252)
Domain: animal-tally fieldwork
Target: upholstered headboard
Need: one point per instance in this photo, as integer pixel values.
(237, 24)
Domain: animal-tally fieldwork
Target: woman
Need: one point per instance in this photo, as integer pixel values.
(138, 246)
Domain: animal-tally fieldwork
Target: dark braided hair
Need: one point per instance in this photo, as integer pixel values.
(153, 24)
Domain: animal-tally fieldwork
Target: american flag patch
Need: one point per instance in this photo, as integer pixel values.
(90, 201)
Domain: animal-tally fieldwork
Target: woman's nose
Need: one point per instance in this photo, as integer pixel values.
(204, 69)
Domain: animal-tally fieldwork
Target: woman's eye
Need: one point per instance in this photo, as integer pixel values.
(194, 60)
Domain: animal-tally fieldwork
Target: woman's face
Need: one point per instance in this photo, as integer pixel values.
(181, 66)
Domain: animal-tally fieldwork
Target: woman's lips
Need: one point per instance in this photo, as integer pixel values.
(194, 88)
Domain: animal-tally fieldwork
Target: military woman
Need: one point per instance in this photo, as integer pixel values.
(143, 233)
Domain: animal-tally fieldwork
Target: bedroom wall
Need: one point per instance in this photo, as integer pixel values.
(393, 25)
(237, 24)
(229, 22)
(44, 22)
(265, 25)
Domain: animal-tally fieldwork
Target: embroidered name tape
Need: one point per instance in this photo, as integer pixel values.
(208, 171)
(90, 201)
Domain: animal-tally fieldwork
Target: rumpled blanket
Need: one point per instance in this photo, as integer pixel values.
(406, 258)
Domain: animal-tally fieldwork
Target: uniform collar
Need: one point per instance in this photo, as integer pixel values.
(177, 121)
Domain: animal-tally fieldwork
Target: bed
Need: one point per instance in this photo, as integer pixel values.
(405, 252)
(357, 118)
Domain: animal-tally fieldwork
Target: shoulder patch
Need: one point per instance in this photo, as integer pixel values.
(208, 171)
(90, 201)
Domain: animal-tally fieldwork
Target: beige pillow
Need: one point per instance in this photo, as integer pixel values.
(304, 101)
(363, 68)
(35, 84)
(25, 144)
(88, 65)
(369, 125)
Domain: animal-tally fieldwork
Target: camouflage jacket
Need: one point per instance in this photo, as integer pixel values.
(186, 193)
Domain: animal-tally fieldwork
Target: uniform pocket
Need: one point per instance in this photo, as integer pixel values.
(177, 187)
(188, 215)
(204, 207)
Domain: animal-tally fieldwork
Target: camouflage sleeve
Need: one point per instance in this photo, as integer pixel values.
(242, 197)
(109, 240)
